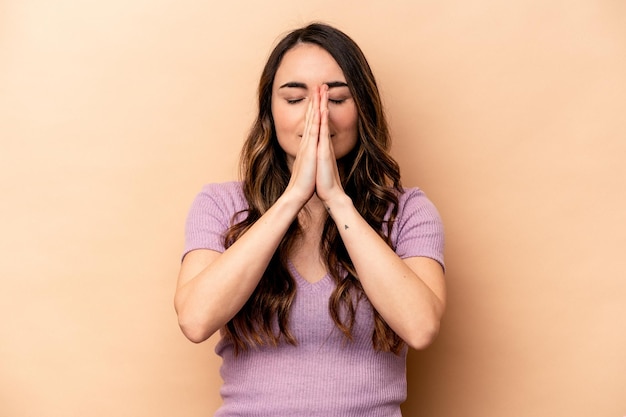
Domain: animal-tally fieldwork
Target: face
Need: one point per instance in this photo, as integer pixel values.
(303, 68)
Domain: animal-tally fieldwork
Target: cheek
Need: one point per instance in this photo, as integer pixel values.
(343, 118)
(286, 118)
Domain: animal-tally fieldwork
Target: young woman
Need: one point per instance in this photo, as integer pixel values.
(318, 268)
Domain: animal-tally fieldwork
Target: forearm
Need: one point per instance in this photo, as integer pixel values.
(404, 300)
(212, 291)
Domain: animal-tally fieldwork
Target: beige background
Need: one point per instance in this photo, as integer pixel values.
(509, 114)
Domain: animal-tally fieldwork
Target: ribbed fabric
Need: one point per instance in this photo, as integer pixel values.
(324, 375)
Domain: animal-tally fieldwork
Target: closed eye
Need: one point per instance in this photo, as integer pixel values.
(337, 101)
(294, 100)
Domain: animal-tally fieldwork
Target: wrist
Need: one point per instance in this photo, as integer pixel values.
(291, 201)
(339, 205)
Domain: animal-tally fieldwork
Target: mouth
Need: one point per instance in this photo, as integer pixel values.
(332, 135)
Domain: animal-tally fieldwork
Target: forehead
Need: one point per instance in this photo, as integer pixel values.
(309, 64)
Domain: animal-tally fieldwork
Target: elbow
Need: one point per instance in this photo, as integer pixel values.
(424, 336)
(424, 331)
(194, 335)
(191, 326)
(193, 332)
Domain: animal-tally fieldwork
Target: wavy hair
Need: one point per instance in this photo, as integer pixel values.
(370, 176)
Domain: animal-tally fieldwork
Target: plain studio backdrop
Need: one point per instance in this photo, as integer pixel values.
(510, 115)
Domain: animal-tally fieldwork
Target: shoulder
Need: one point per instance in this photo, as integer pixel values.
(414, 202)
(224, 190)
(228, 196)
(212, 212)
(217, 202)
(418, 228)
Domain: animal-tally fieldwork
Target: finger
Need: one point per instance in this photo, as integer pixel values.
(309, 140)
(302, 179)
(324, 130)
(308, 120)
(325, 145)
(315, 118)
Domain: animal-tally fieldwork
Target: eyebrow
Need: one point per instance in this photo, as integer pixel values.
(295, 84)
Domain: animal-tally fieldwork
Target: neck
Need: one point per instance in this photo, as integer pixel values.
(313, 214)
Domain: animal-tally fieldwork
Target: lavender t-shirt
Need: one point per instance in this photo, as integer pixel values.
(324, 375)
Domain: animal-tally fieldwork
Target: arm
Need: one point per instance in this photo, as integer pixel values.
(409, 294)
(212, 287)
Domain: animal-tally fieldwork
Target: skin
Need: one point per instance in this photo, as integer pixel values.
(313, 131)
(303, 69)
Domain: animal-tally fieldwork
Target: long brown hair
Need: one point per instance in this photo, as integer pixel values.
(370, 177)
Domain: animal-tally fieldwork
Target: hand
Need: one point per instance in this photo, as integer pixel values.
(304, 168)
(327, 181)
(315, 169)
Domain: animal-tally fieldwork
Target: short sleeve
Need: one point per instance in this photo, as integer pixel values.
(418, 229)
(210, 216)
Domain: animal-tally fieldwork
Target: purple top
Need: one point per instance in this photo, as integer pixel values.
(324, 375)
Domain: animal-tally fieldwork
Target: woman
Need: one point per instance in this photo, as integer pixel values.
(318, 267)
